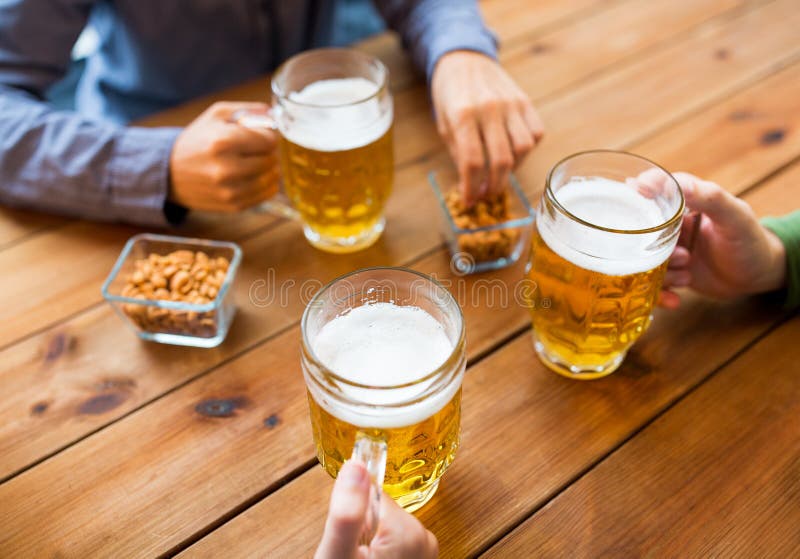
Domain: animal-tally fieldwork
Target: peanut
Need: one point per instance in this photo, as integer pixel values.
(183, 275)
(483, 245)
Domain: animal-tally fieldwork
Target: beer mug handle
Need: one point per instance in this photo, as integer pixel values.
(279, 205)
(372, 452)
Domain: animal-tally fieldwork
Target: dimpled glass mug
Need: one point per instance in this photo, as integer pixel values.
(383, 357)
(606, 225)
(333, 110)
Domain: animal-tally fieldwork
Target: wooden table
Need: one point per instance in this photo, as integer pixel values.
(691, 449)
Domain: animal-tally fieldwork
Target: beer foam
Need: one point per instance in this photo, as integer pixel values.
(336, 115)
(382, 345)
(611, 204)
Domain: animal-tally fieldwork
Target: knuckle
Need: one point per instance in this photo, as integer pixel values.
(220, 174)
(464, 114)
(227, 195)
(523, 147)
(218, 146)
(473, 162)
(345, 521)
(715, 194)
(504, 161)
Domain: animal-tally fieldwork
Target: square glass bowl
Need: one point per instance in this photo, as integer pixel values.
(490, 247)
(169, 321)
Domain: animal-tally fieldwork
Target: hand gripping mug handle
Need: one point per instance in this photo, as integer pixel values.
(372, 452)
(279, 205)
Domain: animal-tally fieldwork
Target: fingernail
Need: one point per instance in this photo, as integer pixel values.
(353, 473)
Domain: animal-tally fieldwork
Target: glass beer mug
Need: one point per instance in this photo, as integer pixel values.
(333, 110)
(606, 225)
(383, 357)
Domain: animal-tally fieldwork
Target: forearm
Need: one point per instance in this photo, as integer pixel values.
(60, 162)
(432, 28)
(787, 229)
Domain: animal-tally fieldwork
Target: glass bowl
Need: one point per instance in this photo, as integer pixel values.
(489, 247)
(160, 317)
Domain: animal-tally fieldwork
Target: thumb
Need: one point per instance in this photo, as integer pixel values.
(722, 207)
(346, 514)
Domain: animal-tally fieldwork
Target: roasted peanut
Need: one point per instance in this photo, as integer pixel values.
(483, 245)
(183, 275)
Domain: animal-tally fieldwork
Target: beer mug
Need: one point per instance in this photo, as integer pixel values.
(383, 357)
(333, 110)
(606, 225)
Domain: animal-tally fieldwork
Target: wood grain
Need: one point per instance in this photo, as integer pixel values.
(515, 20)
(718, 475)
(761, 126)
(16, 225)
(627, 28)
(281, 249)
(237, 467)
(634, 85)
(551, 429)
(205, 450)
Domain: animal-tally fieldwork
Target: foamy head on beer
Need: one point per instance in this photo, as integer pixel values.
(384, 345)
(336, 115)
(608, 204)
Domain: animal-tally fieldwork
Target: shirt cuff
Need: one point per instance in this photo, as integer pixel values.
(787, 229)
(137, 176)
(460, 35)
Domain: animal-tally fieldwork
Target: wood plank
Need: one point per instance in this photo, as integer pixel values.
(715, 476)
(190, 486)
(16, 225)
(760, 127)
(515, 20)
(25, 367)
(515, 455)
(626, 29)
(574, 425)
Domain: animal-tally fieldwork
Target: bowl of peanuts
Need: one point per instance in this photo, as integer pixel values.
(490, 235)
(175, 290)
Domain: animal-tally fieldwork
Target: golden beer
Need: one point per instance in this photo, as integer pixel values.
(334, 112)
(383, 359)
(586, 318)
(339, 194)
(606, 226)
(417, 457)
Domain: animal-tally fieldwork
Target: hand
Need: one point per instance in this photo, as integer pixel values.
(486, 120)
(733, 254)
(217, 165)
(399, 536)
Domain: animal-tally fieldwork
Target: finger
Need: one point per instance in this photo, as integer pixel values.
(264, 188)
(433, 545)
(235, 139)
(522, 141)
(224, 110)
(669, 299)
(650, 183)
(680, 258)
(248, 166)
(534, 122)
(498, 148)
(348, 508)
(723, 208)
(255, 190)
(469, 160)
(677, 278)
(239, 173)
(689, 229)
